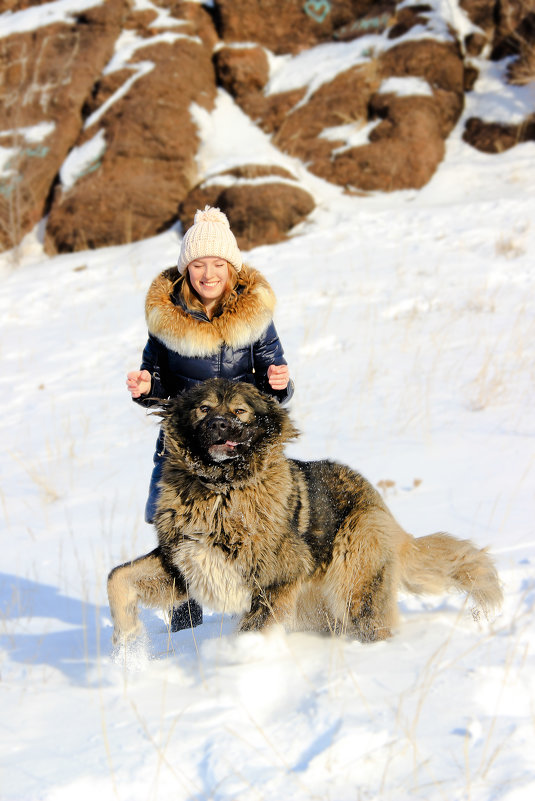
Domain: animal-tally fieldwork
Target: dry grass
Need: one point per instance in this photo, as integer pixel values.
(509, 247)
(40, 476)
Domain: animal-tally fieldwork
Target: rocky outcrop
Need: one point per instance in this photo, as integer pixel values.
(440, 65)
(100, 111)
(262, 203)
(406, 144)
(340, 102)
(46, 76)
(146, 166)
(495, 137)
(509, 28)
(404, 150)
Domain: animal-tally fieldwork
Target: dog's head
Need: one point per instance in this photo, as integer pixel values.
(222, 428)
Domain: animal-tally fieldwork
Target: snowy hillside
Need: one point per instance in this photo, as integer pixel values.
(408, 321)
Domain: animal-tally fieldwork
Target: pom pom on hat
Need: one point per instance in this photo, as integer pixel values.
(211, 214)
(210, 235)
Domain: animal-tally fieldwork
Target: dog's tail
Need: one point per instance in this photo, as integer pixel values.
(440, 562)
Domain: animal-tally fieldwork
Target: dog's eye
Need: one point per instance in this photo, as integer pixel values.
(204, 409)
(239, 411)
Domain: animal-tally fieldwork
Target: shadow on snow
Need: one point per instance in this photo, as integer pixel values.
(41, 626)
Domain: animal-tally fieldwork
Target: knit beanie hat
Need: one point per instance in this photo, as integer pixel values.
(210, 235)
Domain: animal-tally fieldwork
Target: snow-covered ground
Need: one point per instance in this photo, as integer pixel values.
(408, 322)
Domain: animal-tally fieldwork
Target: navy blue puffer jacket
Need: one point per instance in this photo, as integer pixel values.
(186, 347)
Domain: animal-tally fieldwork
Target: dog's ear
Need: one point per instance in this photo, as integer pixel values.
(166, 408)
(173, 413)
(277, 422)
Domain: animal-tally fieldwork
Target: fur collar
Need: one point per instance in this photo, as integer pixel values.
(239, 325)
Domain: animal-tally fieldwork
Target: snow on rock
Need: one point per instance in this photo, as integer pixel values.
(50, 13)
(82, 160)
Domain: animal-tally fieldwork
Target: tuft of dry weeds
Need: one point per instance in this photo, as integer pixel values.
(508, 247)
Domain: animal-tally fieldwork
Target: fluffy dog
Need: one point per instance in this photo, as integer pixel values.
(245, 530)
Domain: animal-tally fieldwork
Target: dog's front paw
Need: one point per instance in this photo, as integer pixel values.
(255, 621)
(369, 632)
(131, 650)
(122, 637)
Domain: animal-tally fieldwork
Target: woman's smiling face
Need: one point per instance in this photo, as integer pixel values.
(208, 277)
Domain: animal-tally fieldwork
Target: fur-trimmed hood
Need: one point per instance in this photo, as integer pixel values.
(241, 323)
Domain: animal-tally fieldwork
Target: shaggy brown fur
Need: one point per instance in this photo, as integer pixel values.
(245, 530)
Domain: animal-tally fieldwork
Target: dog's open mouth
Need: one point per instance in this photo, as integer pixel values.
(224, 450)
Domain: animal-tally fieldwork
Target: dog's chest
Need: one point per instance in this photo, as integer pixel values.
(215, 554)
(213, 578)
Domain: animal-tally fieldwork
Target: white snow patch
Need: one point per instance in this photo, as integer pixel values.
(46, 14)
(319, 65)
(353, 134)
(164, 19)
(7, 154)
(32, 133)
(230, 139)
(404, 87)
(82, 160)
(494, 100)
(129, 43)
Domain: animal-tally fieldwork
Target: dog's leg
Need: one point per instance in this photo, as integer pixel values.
(144, 579)
(270, 605)
(371, 609)
(367, 609)
(363, 578)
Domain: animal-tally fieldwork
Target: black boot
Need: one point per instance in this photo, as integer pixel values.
(186, 616)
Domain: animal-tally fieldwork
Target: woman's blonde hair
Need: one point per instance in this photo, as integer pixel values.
(192, 300)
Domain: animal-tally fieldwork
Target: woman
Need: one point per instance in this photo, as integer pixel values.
(210, 317)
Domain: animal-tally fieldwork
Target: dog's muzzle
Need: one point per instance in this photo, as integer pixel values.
(222, 437)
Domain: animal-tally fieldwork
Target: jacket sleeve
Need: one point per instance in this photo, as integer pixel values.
(153, 362)
(268, 350)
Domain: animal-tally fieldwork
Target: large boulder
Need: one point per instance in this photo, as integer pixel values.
(263, 203)
(495, 137)
(142, 142)
(242, 70)
(403, 152)
(440, 65)
(45, 77)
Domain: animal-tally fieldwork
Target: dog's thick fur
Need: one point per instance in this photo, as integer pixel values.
(245, 530)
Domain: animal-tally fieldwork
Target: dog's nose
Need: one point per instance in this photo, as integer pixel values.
(219, 426)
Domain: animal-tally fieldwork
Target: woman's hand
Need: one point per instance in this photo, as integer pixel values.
(138, 382)
(278, 376)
